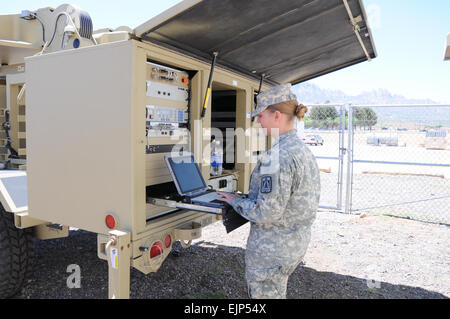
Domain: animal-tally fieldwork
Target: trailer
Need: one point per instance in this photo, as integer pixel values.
(436, 140)
(377, 139)
(88, 117)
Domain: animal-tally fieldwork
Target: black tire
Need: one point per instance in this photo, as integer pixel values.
(16, 255)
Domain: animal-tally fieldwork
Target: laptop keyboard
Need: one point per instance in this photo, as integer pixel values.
(209, 197)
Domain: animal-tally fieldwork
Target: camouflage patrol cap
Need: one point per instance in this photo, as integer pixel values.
(277, 94)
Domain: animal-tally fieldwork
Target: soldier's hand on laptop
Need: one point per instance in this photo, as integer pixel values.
(228, 197)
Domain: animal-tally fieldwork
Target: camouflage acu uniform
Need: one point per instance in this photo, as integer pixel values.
(281, 207)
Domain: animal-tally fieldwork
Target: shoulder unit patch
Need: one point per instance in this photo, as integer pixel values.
(266, 184)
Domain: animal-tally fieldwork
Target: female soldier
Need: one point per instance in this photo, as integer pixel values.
(283, 198)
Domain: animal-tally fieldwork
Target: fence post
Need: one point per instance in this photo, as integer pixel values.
(349, 179)
(341, 155)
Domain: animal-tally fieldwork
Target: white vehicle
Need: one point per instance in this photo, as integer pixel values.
(313, 139)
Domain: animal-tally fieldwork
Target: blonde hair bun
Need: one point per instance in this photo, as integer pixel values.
(300, 111)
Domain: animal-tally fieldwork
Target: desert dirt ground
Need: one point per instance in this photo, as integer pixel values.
(349, 257)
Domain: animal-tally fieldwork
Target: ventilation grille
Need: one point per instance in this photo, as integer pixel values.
(86, 27)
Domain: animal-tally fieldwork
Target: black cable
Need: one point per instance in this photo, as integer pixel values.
(34, 15)
(56, 26)
(7, 126)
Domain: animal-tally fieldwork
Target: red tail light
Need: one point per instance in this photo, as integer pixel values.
(167, 241)
(156, 250)
(110, 222)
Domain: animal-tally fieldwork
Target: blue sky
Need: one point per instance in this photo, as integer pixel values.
(409, 36)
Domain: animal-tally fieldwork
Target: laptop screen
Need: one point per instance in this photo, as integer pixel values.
(186, 173)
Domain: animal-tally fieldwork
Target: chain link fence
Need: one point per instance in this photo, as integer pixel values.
(384, 160)
(400, 161)
(324, 129)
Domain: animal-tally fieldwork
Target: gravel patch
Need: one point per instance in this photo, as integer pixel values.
(418, 197)
(421, 198)
(348, 257)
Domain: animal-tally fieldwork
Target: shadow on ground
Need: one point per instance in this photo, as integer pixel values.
(205, 270)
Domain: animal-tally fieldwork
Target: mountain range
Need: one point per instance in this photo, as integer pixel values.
(312, 94)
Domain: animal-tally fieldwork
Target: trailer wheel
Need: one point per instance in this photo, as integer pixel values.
(16, 255)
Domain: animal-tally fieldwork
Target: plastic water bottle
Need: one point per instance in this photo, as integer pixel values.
(216, 158)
